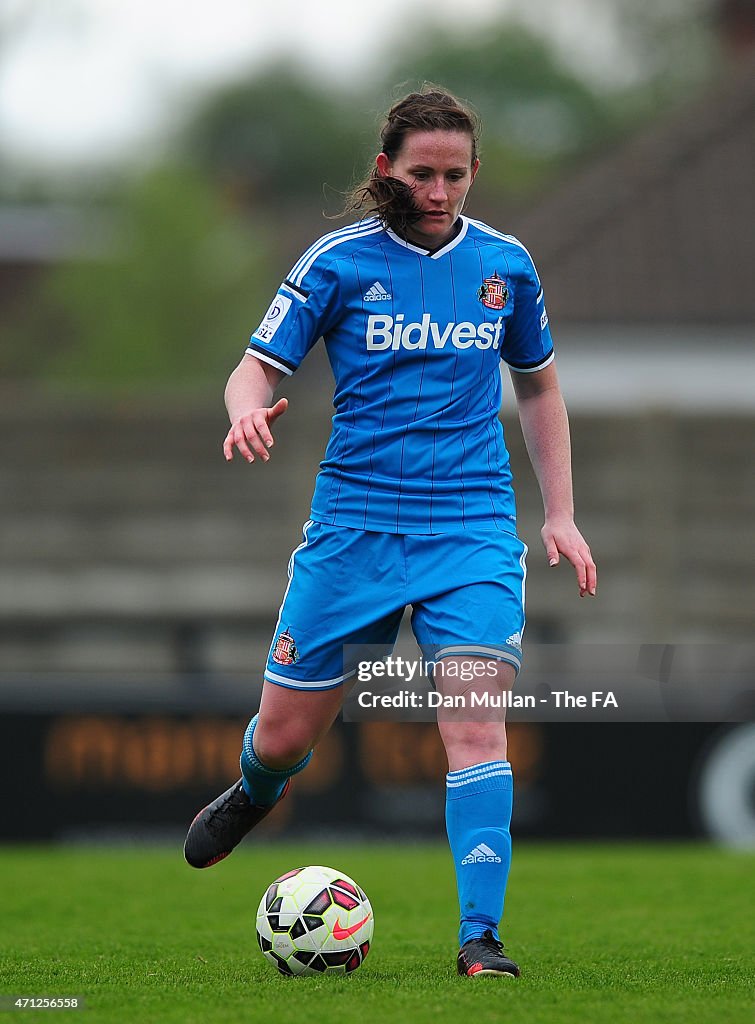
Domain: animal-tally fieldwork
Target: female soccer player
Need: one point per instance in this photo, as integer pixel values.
(413, 504)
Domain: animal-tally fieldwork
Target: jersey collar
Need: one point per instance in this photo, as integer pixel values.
(434, 254)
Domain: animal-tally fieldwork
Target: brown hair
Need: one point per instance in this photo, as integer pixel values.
(431, 109)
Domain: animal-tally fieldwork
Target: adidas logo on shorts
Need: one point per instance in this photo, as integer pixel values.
(482, 854)
(515, 641)
(377, 293)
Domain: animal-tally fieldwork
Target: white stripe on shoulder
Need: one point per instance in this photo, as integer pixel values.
(348, 230)
(506, 238)
(306, 267)
(366, 227)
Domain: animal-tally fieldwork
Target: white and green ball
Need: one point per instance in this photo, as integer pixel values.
(314, 920)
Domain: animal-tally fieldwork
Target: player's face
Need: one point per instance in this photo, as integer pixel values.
(437, 165)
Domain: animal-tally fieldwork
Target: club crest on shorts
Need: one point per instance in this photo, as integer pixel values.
(285, 652)
(493, 292)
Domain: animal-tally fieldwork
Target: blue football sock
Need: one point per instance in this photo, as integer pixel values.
(264, 785)
(478, 816)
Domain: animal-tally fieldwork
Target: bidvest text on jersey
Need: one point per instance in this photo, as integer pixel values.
(387, 332)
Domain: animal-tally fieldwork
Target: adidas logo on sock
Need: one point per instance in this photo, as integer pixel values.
(482, 854)
(377, 293)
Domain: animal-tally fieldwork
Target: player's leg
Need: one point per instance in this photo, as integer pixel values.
(474, 632)
(479, 796)
(302, 718)
(473, 732)
(279, 740)
(336, 600)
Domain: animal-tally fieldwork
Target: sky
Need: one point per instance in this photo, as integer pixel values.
(88, 80)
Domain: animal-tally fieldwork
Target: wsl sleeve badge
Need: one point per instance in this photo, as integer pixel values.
(284, 651)
(273, 318)
(493, 292)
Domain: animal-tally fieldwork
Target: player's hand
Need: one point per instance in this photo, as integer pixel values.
(561, 537)
(250, 433)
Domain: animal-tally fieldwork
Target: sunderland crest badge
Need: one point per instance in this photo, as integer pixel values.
(493, 292)
(285, 652)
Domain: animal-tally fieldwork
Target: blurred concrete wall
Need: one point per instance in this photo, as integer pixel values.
(127, 543)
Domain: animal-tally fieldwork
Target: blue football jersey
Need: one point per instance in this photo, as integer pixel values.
(415, 338)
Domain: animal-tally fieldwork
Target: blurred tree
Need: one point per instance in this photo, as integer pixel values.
(172, 304)
(278, 139)
(275, 139)
(537, 114)
(671, 46)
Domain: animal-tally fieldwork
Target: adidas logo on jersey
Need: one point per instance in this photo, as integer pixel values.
(482, 854)
(384, 332)
(377, 293)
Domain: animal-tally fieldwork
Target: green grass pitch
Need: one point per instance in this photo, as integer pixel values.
(603, 933)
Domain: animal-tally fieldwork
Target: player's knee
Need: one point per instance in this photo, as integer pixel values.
(474, 742)
(281, 748)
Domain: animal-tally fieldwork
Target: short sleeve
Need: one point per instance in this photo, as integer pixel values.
(297, 317)
(527, 344)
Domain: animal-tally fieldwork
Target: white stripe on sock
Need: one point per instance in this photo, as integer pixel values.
(478, 778)
(477, 769)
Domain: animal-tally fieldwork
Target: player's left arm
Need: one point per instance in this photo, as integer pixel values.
(545, 427)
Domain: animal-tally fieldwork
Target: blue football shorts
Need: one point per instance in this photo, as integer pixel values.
(348, 589)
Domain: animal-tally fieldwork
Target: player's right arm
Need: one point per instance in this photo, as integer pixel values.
(249, 401)
(305, 306)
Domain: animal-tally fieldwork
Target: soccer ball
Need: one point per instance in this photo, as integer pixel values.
(314, 920)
